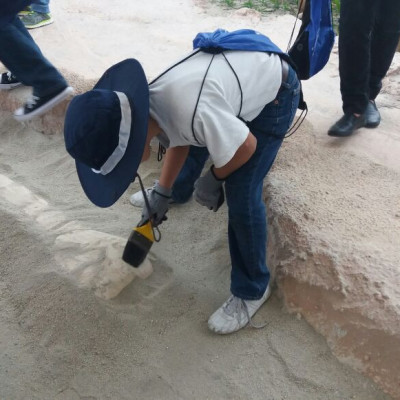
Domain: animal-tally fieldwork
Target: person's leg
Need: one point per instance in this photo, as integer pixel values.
(247, 228)
(385, 39)
(183, 187)
(21, 55)
(355, 27)
(41, 6)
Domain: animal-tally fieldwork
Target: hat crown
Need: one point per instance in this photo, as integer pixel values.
(92, 127)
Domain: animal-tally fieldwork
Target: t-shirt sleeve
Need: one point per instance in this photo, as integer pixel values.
(217, 127)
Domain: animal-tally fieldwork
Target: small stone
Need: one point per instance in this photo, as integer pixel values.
(298, 316)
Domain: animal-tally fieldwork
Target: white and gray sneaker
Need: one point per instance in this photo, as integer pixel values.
(137, 198)
(236, 313)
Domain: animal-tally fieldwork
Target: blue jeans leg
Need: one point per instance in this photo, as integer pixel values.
(247, 226)
(22, 56)
(190, 172)
(41, 6)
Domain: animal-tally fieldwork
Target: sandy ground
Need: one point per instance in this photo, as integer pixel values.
(75, 322)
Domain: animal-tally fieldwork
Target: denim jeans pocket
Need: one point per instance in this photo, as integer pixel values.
(277, 116)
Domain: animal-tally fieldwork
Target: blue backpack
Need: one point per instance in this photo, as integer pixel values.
(220, 40)
(313, 45)
(244, 40)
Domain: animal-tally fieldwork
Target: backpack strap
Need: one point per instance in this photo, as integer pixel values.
(214, 52)
(173, 66)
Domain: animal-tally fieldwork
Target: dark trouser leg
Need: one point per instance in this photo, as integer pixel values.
(355, 28)
(21, 55)
(190, 172)
(385, 38)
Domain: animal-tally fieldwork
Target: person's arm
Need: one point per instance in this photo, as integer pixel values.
(174, 159)
(161, 194)
(242, 155)
(208, 188)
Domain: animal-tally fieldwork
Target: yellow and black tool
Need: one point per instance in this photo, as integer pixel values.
(139, 243)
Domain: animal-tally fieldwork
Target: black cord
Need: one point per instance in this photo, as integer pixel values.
(173, 66)
(294, 26)
(198, 98)
(294, 128)
(240, 86)
(155, 229)
(161, 151)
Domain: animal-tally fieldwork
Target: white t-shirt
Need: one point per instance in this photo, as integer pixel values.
(173, 99)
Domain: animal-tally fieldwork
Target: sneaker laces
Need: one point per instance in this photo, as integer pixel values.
(236, 305)
(9, 75)
(31, 102)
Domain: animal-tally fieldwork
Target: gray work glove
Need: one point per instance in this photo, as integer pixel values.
(208, 191)
(158, 200)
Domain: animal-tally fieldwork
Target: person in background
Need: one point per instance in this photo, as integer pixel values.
(235, 107)
(26, 64)
(36, 15)
(369, 32)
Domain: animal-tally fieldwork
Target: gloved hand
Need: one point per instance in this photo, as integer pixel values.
(158, 200)
(208, 191)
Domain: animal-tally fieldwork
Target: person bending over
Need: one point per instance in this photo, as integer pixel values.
(235, 107)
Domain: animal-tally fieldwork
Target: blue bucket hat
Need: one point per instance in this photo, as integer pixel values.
(105, 131)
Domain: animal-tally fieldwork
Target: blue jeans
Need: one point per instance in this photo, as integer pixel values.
(22, 56)
(194, 164)
(41, 6)
(247, 225)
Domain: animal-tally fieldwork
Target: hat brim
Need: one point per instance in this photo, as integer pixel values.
(104, 190)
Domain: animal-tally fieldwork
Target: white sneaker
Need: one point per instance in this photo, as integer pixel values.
(137, 198)
(236, 313)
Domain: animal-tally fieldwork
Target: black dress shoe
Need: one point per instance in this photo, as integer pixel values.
(347, 125)
(372, 115)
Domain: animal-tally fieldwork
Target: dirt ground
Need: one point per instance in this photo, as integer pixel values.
(75, 322)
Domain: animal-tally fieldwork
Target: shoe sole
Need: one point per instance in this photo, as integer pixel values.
(374, 125)
(40, 24)
(45, 107)
(334, 134)
(9, 86)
